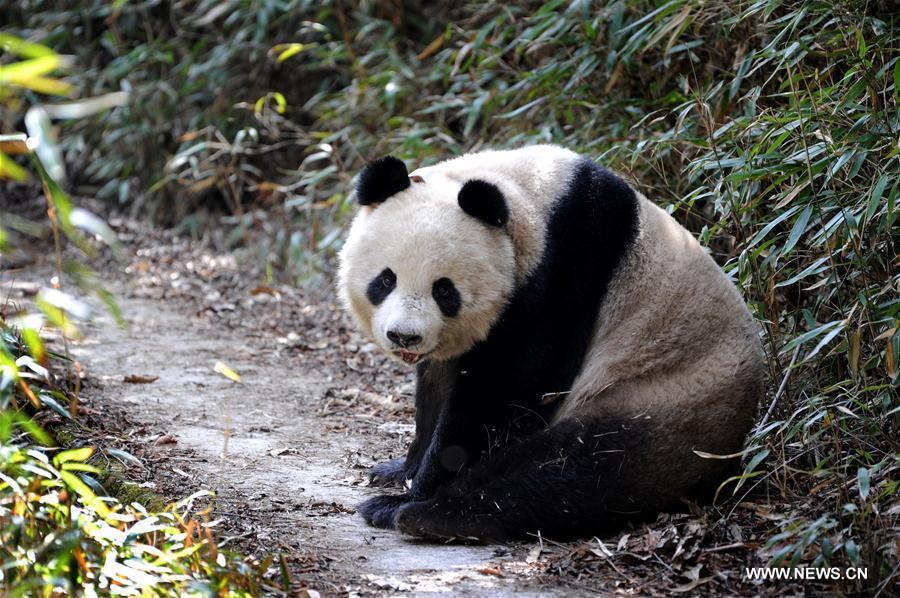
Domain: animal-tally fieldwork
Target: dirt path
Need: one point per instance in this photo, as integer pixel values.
(298, 442)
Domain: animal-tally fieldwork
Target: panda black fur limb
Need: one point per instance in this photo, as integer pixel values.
(575, 346)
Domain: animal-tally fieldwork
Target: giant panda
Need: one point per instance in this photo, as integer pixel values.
(579, 355)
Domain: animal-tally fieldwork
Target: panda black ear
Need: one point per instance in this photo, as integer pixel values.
(484, 201)
(380, 179)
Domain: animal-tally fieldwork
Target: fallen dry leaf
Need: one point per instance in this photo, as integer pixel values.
(138, 379)
(264, 290)
(491, 571)
(226, 371)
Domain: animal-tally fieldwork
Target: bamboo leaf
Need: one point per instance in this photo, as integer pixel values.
(124, 457)
(816, 267)
(797, 230)
(11, 170)
(79, 454)
(811, 334)
(19, 73)
(771, 225)
(226, 371)
(877, 192)
(20, 47)
(862, 478)
(825, 340)
(86, 494)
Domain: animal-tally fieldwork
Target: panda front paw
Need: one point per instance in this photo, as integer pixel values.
(389, 473)
(381, 511)
(435, 519)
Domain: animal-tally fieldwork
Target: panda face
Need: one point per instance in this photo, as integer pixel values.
(407, 322)
(423, 278)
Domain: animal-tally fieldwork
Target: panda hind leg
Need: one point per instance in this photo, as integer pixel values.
(566, 481)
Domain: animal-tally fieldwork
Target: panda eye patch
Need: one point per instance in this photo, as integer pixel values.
(446, 296)
(381, 286)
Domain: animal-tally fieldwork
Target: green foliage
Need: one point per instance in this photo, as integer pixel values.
(59, 531)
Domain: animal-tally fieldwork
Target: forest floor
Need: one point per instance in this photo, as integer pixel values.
(285, 451)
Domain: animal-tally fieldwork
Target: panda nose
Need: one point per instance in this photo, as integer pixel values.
(404, 340)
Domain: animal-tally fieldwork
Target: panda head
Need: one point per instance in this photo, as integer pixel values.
(428, 265)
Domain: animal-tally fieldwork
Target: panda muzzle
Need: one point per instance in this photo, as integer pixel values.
(409, 357)
(404, 340)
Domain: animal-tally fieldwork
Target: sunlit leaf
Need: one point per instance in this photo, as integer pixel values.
(19, 73)
(86, 494)
(86, 107)
(16, 45)
(84, 467)
(46, 85)
(80, 218)
(226, 371)
(285, 51)
(64, 301)
(35, 431)
(45, 144)
(11, 170)
(30, 363)
(35, 344)
(58, 318)
(79, 454)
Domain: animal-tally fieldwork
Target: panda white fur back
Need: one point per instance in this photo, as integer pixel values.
(575, 345)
